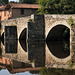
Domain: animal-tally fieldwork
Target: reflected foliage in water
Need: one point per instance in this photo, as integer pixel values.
(35, 55)
(53, 71)
(66, 34)
(22, 39)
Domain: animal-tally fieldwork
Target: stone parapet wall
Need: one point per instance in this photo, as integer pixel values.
(64, 16)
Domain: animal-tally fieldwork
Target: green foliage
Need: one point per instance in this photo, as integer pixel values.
(66, 47)
(70, 21)
(70, 64)
(66, 34)
(30, 20)
(57, 6)
(52, 71)
(44, 71)
(44, 4)
(42, 10)
(4, 1)
(53, 6)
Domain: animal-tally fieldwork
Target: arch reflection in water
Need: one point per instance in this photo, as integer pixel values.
(0, 49)
(36, 51)
(2, 38)
(16, 52)
(58, 41)
(11, 46)
(22, 39)
(53, 71)
(59, 49)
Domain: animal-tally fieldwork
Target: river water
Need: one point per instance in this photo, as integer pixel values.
(33, 58)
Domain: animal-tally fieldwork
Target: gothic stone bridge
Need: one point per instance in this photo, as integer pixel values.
(41, 28)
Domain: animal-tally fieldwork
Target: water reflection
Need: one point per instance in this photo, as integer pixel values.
(60, 49)
(11, 46)
(22, 39)
(17, 59)
(53, 71)
(15, 66)
(23, 45)
(36, 52)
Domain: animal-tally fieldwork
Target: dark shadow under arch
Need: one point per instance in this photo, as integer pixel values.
(2, 38)
(58, 41)
(0, 49)
(59, 49)
(22, 39)
(58, 33)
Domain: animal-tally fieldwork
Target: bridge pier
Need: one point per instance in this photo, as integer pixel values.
(36, 28)
(36, 53)
(72, 43)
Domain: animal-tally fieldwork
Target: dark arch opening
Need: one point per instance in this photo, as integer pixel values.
(0, 49)
(22, 39)
(58, 41)
(2, 38)
(58, 33)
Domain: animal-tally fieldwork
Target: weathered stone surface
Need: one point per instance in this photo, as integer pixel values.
(20, 23)
(21, 55)
(36, 52)
(36, 29)
(50, 22)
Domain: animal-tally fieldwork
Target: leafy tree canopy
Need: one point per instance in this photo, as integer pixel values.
(56, 6)
(53, 6)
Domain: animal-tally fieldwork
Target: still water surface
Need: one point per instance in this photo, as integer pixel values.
(19, 58)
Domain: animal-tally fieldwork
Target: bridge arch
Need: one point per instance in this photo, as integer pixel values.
(58, 33)
(2, 38)
(60, 26)
(64, 23)
(58, 60)
(22, 39)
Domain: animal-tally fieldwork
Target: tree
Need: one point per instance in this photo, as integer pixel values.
(57, 6)
(4, 1)
(44, 5)
(73, 6)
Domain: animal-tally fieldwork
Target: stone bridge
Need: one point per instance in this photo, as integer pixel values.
(41, 28)
(49, 22)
